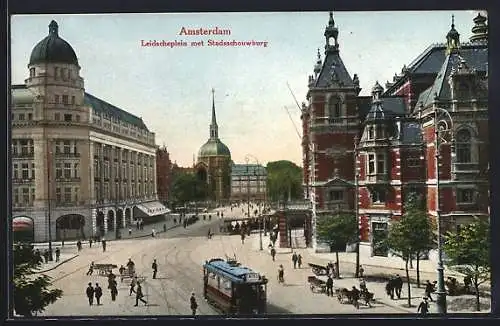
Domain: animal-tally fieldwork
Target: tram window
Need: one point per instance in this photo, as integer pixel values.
(225, 286)
(213, 280)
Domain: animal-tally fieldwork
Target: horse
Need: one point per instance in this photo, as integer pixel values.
(367, 297)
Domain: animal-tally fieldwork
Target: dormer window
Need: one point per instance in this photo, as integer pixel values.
(32, 72)
(371, 135)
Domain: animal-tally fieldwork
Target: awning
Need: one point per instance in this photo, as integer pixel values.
(153, 208)
(22, 223)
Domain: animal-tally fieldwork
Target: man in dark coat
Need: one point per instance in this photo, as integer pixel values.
(193, 304)
(58, 254)
(90, 294)
(139, 295)
(398, 285)
(329, 286)
(423, 307)
(113, 287)
(79, 245)
(103, 245)
(294, 260)
(98, 293)
(355, 297)
(154, 266)
(133, 283)
(273, 253)
(429, 288)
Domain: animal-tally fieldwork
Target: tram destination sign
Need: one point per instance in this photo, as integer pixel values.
(252, 277)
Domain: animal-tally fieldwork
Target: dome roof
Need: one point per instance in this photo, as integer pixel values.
(53, 49)
(214, 147)
(376, 113)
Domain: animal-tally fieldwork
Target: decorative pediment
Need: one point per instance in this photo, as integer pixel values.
(337, 182)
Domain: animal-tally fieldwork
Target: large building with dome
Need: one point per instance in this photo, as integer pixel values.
(213, 164)
(81, 166)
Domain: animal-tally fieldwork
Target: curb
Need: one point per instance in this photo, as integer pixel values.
(56, 266)
(144, 235)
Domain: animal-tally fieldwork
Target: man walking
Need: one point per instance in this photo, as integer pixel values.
(329, 286)
(155, 268)
(98, 293)
(423, 308)
(429, 288)
(194, 304)
(91, 269)
(90, 243)
(90, 294)
(294, 260)
(398, 284)
(273, 253)
(139, 295)
(132, 285)
(299, 260)
(103, 245)
(113, 287)
(58, 254)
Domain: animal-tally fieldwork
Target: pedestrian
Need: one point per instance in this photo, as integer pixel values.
(154, 266)
(79, 245)
(58, 254)
(242, 237)
(153, 232)
(113, 287)
(91, 269)
(103, 241)
(329, 286)
(90, 242)
(355, 297)
(273, 253)
(129, 231)
(281, 274)
(423, 307)
(137, 224)
(362, 285)
(164, 228)
(398, 285)
(299, 260)
(98, 293)
(193, 303)
(90, 294)
(121, 270)
(429, 288)
(131, 266)
(132, 285)
(139, 295)
(361, 271)
(294, 260)
(46, 256)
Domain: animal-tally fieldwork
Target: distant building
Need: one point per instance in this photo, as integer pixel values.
(393, 134)
(248, 182)
(214, 163)
(163, 174)
(80, 166)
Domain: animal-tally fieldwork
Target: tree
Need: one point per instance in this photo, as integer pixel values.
(187, 187)
(424, 239)
(31, 292)
(409, 236)
(337, 231)
(284, 180)
(469, 250)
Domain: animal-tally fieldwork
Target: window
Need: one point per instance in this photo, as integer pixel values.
(334, 109)
(25, 171)
(378, 196)
(67, 195)
(75, 148)
(370, 133)
(58, 147)
(64, 74)
(58, 196)
(16, 196)
(32, 195)
(21, 117)
(56, 99)
(380, 163)
(30, 116)
(14, 147)
(58, 171)
(72, 100)
(413, 162)
(32, 72)
(465, 196)
(371, 163)
(76, 171)
(56, 72)
(32, 170)
(32, 146)
(65, 99)
(24, 147)
(67, 117)
(67, 170)
(77, 117)
(57, 116)
(67, 147)
(26, 196)
(336, 195)
(463, 146)
(77, 190)
(15, 173)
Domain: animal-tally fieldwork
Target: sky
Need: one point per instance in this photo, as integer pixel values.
(170, 87)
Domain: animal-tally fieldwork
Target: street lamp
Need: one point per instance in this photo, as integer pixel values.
(49, 193)
(356, 202)
(260, 216)
(441, 128)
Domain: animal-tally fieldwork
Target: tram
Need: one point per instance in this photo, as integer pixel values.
(234, 289)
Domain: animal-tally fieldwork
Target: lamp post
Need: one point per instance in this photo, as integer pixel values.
(356, 202)
(49, 193)
(441, 128)
(260, 217)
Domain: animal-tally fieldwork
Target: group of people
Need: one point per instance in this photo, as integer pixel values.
(46, 255)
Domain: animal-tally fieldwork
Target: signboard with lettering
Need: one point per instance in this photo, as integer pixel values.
(252, 277)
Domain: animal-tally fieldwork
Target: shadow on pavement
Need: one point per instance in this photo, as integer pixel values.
(274, 309)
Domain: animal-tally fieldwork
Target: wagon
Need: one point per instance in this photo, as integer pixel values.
(316, 284)
(318, 270)
(343, 294)
(104, 269)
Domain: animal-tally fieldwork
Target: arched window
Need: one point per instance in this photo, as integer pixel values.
(463, 146)
(334, 108)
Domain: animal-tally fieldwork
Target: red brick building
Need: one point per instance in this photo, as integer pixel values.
(164, 169)
(391, 135)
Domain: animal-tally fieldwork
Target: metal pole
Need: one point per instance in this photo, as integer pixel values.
(441, 292)
(260, 216)
(49, 188)
(356, 204)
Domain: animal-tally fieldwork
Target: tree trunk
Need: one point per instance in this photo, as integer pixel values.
(408, 281)
(418, 269)
(337, 265)
(476, 286)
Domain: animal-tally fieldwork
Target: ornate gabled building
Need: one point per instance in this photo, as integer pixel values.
(392, 134)
(214, 162)
(81, 167)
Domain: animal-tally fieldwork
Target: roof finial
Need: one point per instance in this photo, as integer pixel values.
(53, 28)
(331, 21)
(452, 21)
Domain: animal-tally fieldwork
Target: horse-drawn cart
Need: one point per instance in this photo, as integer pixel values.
(316, 284)
(318, 270)
(104, 269)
